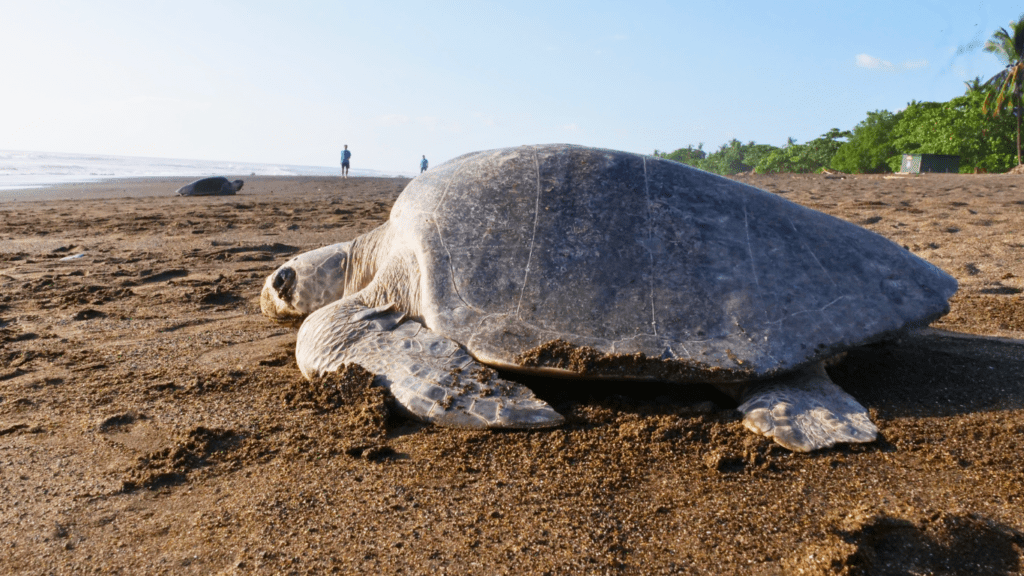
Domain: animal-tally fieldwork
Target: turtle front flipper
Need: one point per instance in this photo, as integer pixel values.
(805, 411)
(430, 376)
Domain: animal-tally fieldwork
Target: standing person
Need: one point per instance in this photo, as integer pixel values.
(345, 155)
(423, 164)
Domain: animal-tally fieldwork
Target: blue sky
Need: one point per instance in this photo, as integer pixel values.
(291, 82)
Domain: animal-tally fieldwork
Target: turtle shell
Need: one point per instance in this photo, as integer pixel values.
(528, 255)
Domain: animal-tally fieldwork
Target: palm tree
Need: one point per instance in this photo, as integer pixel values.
(1005, 88)
(974, 85)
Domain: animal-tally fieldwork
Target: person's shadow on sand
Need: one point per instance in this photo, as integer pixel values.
(939, 543)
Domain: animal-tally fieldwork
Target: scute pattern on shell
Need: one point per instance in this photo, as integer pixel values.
(630, 254)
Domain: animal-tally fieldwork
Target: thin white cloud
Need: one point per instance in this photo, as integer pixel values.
(574, 128)
(872, 63)
(868, 61)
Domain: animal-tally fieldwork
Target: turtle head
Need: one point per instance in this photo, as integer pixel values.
(306, 283)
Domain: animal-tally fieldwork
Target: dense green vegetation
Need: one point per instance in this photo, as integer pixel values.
(1004, 90)
(731, 158)
(969, 126)
(809, 157)
(688, 155)
(960, 127)
(871, 145)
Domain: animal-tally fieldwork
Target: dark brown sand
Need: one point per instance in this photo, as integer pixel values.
(153, 422)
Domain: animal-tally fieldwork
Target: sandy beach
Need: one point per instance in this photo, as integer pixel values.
(152, 421)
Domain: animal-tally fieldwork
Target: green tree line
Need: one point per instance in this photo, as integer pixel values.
(969, 126)
(960, 127)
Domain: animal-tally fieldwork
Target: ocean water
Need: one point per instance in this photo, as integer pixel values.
(20, 169)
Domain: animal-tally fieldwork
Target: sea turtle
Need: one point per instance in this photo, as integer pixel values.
(581, 262)
(213, 186)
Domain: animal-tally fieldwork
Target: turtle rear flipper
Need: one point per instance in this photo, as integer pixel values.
(431, 377)
(805, 411)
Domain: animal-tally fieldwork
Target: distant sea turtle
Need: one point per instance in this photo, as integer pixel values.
(215, 186)
(589, 263)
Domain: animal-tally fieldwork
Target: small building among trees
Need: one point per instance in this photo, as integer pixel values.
(920, 163)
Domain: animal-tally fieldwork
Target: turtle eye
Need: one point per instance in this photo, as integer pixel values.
(284, 281)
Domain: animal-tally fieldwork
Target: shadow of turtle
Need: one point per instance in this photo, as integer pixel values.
(941, 543)
(924, 373)
(935, 373)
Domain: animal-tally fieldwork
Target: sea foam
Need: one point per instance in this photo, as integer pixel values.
(19, 169)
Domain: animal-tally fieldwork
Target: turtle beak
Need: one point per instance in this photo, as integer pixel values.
(283, 283)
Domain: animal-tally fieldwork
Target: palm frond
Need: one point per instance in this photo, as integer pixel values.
(1004, 89)
(987, 104)
(1017, 76)
(1018, 38)
(1001, 45)
(974, 85)
(995, 80)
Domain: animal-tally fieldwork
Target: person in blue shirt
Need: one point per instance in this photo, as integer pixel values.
(345, 155)
(423, 164)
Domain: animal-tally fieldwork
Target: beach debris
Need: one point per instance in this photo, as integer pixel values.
(590, 263)
(73, 257)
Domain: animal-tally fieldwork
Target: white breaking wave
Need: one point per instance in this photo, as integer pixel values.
(20, 169)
